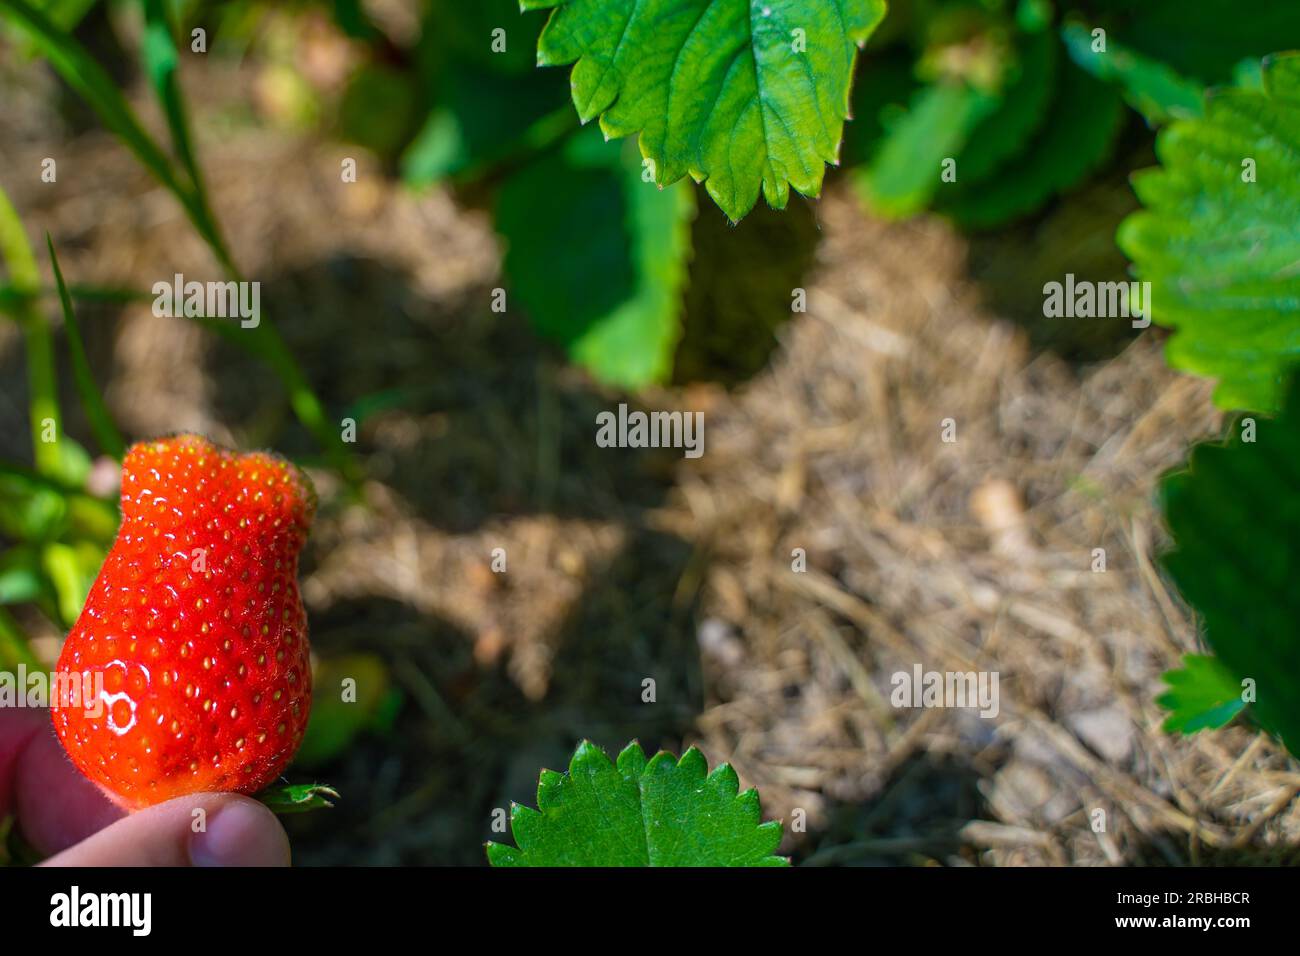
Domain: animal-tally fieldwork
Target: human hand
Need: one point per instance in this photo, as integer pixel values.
(62, 813)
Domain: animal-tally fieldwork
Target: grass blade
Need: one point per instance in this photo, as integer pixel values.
(11, 298)
(42, 383)
(94, 84)
(97, 414)
(160, 63)
(86, 76)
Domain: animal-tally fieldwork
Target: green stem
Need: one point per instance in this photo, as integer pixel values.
(81, 71)
(161, 63)
(43, 396)
(101, 421)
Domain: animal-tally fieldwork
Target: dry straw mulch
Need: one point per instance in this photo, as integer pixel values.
(971, 555)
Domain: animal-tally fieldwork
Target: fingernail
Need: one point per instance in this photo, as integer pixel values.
(241, 832)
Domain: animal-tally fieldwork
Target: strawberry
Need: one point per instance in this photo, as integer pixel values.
(195, 628)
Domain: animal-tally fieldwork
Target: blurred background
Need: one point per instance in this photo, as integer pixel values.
(475, 422)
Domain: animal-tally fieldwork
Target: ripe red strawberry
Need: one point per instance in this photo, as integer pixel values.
(195, 626)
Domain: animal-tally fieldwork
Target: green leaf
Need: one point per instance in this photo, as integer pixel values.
(71, 569)
(907, 171)
(92, 402)
(662, 812)
(1202, 694)
(336, 720)
(298, 797)
(467, 33)
(1249, 74)
(1082, 125)
(1020, 112)
(885, 85)
(30, 512)
(491, 105)
(1204, 40)
(482, 118)
(1234, 515)
(64, 14)
(598, 257)
(1220, 252)
(1153, 89)
(738, 94)
(21, 577)
(352, 19)
(379, 109)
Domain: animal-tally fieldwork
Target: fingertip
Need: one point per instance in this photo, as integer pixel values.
(56, 805)
(240, 832)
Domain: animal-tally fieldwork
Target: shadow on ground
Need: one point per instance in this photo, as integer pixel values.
(917, 820)
(482, 426)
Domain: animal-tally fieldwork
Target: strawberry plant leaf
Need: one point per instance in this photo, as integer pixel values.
(1234, 515)
(906, 172)
(1082, 125)
(1205, 40)
(482, 118)
(1153, 89)
(1218, 241)
(492, 106)
(885, 83)
(1202, 694)
(742, 96)
(1002, 134)
(338, 717)
(639, 812)
(464, 29)
(298, 797)
(379, 109)
(22, 579)
(71, 570)
(613, 298)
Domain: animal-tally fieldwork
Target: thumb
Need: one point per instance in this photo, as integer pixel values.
(204, 829)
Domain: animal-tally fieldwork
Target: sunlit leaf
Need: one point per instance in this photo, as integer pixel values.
(1218, 239)
(660, 812)
(1234, 514)
(1202, 694)
(743, 96)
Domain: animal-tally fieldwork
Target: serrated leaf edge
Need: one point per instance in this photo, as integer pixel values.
(588, 749)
